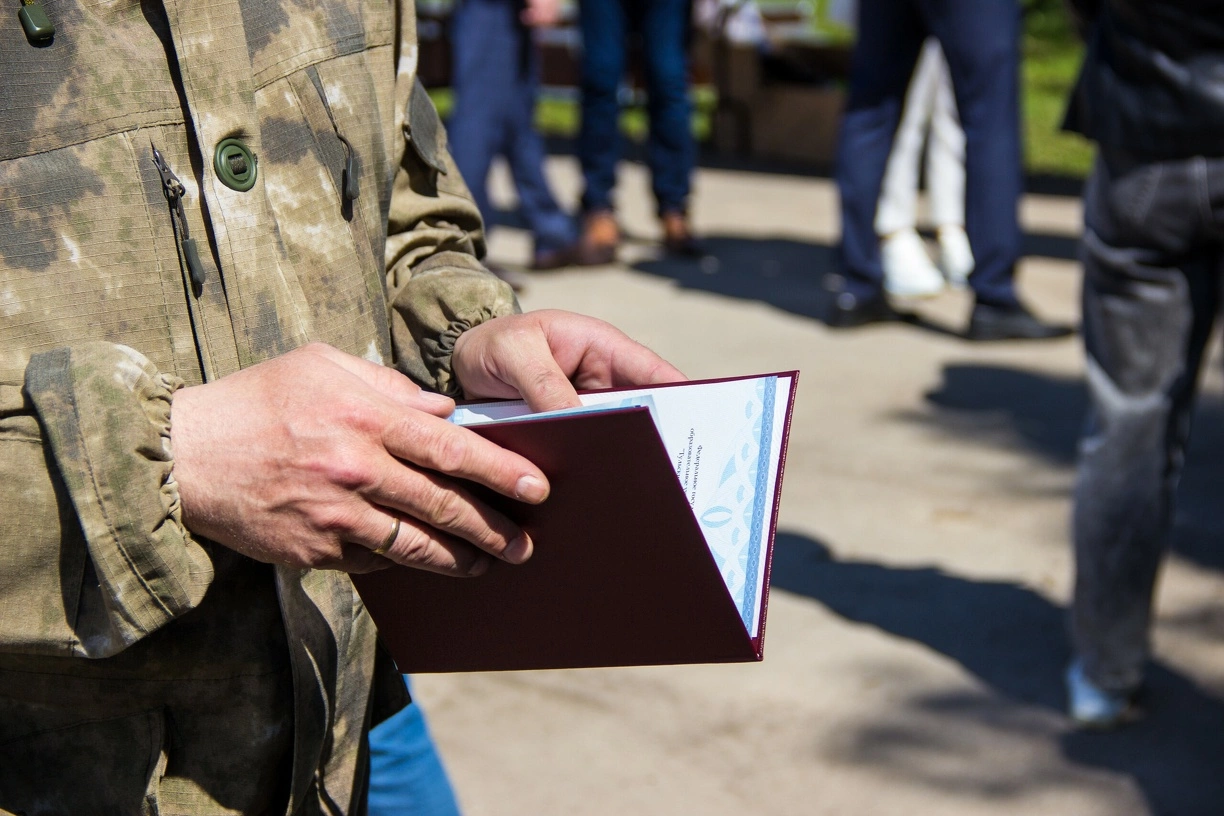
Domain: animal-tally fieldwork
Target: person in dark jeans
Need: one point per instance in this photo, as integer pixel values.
(980, 39)
(495, 80)
(1151, 93)
(663, 26)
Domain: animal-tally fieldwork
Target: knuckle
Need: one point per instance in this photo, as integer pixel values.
(348, 470)
(356, 414)
(544, 380)
(447, 510)
(329, 519)
(450, 450)
(413, 545)
(318, 347)
(311, 354)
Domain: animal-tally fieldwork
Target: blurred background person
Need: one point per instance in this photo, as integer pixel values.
(1151, 94)
(663, 28)
(495, 76)
(980, 40)
(929, 117)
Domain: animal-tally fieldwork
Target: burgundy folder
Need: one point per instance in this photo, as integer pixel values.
(621, 574)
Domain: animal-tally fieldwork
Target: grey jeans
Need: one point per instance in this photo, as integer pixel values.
(1153, 253)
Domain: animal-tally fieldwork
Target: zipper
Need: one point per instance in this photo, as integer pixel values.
(175, 192)
(349, 189)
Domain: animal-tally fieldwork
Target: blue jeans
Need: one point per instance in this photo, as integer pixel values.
(1153, 253)
(406, 773)
(496, 77)
(980, 39)
(671, 149)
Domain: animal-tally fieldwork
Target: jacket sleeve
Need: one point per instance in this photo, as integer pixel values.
(87, 488)
(436, 285)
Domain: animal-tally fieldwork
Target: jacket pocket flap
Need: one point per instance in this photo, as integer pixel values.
(423, 128)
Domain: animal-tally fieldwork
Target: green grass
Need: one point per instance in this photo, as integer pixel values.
(560, 117)
(1052, 54)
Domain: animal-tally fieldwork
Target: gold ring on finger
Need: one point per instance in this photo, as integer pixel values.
(390, 539)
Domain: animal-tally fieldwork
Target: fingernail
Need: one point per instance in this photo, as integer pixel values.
(532, 490)
(518, 550)
(479, 567)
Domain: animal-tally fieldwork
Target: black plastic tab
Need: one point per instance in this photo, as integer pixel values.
(192, 256)
(349, 180)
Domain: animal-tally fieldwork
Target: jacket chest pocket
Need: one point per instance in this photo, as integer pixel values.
(104, 72)
(87, 252)
(326, 167)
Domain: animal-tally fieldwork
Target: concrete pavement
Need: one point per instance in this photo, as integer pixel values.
(915, 636)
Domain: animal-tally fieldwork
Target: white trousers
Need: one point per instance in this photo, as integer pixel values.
(929, 101)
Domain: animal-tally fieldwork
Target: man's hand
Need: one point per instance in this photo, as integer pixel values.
(307, 459)
(542, 356)
(541, 13)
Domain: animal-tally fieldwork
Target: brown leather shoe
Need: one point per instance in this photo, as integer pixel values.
(545, 259)
(600, 237)
(678, 237)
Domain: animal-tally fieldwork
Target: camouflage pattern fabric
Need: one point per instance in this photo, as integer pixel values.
(143, 670)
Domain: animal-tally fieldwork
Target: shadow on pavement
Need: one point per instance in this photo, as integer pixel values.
(1013, 640)
(1009, 407)
(1044, 414)
(792, 275)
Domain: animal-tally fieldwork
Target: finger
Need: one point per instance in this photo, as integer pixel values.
(456, 452)
(641, 366)
(534, 373)
(629, 362)
(357, 559)
(444, 505)
(420, 546)
(388, 382)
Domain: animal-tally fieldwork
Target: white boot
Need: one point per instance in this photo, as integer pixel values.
(908, 271)
(955, 256)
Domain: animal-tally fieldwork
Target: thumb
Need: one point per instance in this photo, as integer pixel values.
(541, 382)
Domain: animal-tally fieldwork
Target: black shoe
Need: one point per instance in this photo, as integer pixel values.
(1011, 323)
(850, 311)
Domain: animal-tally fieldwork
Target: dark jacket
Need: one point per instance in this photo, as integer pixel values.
(1153, 78)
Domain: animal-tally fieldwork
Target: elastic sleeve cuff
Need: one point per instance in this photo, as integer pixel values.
(445, 296)
(106, 412)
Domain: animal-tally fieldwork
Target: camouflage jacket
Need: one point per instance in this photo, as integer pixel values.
(143, 670)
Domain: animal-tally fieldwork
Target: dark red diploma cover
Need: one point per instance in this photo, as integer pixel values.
(621, 574)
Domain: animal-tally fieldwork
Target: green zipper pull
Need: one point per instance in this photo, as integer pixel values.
(38, 26)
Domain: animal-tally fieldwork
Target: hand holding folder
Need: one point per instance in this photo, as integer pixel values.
(654, 547)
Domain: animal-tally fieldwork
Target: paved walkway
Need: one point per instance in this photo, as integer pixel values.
(915, 638)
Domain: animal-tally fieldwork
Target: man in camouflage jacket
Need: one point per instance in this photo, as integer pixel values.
(219, 223)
